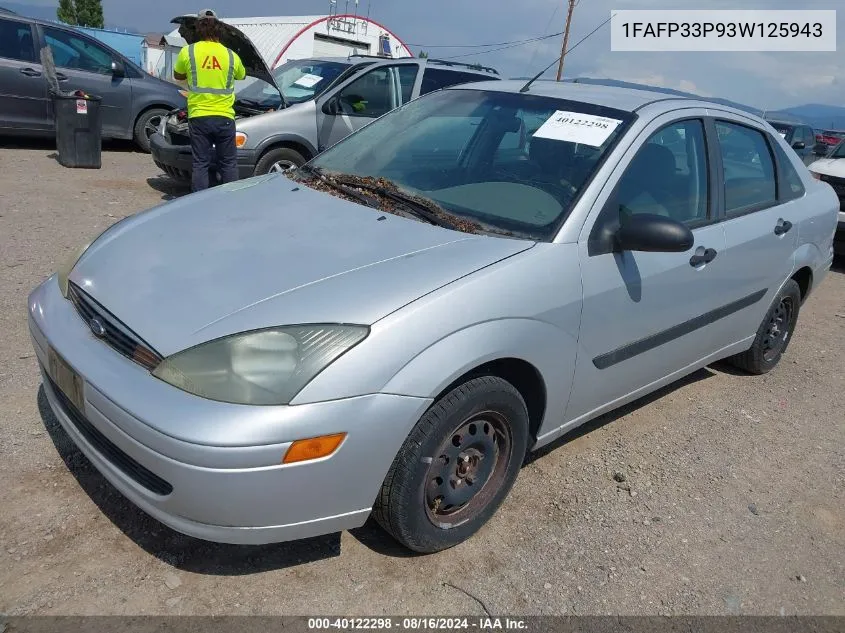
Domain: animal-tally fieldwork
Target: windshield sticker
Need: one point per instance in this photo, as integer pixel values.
(308, 81)
(575, 127)
(783, 134)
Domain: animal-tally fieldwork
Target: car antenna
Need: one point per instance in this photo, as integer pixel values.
(573, 47)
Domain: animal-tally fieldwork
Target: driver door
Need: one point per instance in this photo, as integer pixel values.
(363, 99)
(83, 64)
(648, 315)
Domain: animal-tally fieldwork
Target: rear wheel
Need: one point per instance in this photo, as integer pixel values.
(774, 333)
(147, 125)
(279, 159)
(456, 467)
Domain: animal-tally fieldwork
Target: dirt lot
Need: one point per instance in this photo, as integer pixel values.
(733, 499)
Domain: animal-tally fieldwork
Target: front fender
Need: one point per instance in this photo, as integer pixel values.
(550, 350)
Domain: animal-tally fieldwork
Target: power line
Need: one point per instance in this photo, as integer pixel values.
(572, 48)
(513, 45)
(513, 42)
(545, 30)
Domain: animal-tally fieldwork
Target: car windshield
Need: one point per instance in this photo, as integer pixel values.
(838, 151)
(298, 80)
(513, 163)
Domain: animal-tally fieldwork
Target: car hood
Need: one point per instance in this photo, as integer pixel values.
(265, 252)
(829, 167)
(234, 39)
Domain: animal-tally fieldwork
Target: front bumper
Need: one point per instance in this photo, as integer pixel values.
(177, 160)
(225, 482)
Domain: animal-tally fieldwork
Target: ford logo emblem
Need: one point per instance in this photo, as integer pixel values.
(97, 327)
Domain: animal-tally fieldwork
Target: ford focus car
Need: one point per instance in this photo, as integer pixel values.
(391, 328)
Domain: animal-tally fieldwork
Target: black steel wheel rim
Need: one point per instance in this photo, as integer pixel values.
(778, 329)
(468, 469)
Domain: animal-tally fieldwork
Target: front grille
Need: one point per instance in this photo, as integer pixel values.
(115, 333)
(107, 449)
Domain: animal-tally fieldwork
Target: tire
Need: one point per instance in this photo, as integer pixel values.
(146, 124)
(279, 156)
(774, 333)
(414, 502)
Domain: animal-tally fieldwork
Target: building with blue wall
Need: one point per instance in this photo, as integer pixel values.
(129, 44)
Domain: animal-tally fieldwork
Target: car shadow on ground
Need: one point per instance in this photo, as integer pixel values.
(48, 143)
(170, 188)
(616, 414)
(182, 552)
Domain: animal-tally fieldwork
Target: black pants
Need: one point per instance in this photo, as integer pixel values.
(213, 137)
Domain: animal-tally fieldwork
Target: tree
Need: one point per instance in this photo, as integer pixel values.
(66, 11)
(81, 12)
(423, 55)
(90, 13)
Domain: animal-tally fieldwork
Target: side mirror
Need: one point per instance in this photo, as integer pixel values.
(799, 145)
(118, 69)
(332, 105)
(654, 234)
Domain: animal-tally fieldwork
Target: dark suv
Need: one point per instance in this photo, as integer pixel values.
(133, 102)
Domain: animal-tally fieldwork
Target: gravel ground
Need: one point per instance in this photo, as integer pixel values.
(720, 495)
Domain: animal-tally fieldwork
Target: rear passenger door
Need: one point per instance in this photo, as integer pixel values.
(760, 217)
(23, 92)
(366, 97)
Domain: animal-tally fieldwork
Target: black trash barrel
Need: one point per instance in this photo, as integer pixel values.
(78, 130)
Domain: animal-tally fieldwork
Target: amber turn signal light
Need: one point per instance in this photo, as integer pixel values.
(313, 448)
(240, 139)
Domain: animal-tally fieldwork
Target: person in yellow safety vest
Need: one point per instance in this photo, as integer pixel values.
(210, 70)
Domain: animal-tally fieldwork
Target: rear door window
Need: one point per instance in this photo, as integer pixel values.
(749, 169)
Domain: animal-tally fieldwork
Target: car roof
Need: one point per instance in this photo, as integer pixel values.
(619, 98)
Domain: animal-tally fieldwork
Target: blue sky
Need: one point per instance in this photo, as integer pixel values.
(764, 80)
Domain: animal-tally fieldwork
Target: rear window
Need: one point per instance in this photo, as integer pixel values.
(438, 78)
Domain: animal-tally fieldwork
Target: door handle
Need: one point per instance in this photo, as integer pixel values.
(29, 72)
(702, 256)
(782, 226)
(61, 77)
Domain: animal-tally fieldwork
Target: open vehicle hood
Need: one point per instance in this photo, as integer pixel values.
(235, 40)
(266, 252)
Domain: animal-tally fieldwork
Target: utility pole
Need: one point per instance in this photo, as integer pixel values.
(572, 4)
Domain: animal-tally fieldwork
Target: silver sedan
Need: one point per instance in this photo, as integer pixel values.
(393, 327)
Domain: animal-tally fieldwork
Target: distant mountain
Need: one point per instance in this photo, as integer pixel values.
(821, 117)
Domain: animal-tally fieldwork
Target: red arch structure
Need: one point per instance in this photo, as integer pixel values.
(335, 17)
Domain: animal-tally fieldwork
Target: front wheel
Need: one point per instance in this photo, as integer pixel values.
(147, 125)
(774, 333)
(279, 159)
(456, 466)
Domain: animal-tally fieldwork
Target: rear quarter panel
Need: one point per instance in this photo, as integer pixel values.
(819, 211)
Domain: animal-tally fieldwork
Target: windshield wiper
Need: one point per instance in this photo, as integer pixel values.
(431, 212)
(336, 185)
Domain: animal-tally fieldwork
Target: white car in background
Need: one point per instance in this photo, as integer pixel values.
(831, 169)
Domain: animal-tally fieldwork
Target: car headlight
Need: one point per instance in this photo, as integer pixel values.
(263, 367)
(240, 139)
(64, 271)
